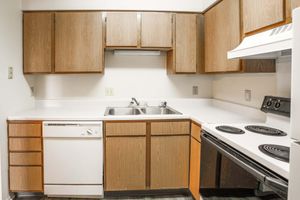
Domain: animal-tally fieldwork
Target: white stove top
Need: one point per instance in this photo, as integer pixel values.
(248, 142)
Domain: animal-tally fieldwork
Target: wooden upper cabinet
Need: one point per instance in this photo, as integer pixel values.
(186, 43)
(222, 33)
(122, 29)
(156, 30)
(38, 42)
(295, 4)
(187, 55)
(78, 42)
(258, 14)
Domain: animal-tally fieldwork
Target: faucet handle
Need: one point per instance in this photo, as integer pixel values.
(163, 104)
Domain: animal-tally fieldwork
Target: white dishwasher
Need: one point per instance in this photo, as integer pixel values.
(73, 158)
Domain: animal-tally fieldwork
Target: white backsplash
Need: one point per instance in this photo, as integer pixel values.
(127, 76)
(231, 87)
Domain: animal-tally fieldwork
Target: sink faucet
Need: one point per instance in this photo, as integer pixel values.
(133, 100)
(163, 104)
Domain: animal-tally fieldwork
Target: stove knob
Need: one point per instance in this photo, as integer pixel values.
(277, 105)
(269, 103)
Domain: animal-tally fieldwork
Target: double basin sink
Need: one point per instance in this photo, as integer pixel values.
(149, 110)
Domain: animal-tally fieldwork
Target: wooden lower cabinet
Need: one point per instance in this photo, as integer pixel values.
(147, 155)
(125, 165)
(195, 159)
(26, 179)
(169, 162)
(25, 147)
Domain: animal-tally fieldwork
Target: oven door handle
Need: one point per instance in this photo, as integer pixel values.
(242, 164)
(276, 183)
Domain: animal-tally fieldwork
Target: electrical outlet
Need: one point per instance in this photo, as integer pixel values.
(195, 90)
(10, 73)
(109, 92)
(248, 94)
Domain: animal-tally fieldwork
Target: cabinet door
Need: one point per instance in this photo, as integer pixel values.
(156, 30)
(295, 3)
(169, 162)
(78, 42)
(222, 33)
(125, 165)
(258, 14)
(186, 43)
(25, 179)
(195, 168)
(37, 42)
(121, 29)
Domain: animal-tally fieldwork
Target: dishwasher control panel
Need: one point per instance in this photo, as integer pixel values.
(73, 129)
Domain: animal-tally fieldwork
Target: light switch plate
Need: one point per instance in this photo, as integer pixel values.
(109, 91)
(195, 90)
(10, 73)
(248, 95)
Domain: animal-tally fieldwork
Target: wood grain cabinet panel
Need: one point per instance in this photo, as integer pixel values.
(195, 159)
(78, 42)
(170, 128)
(25, 130)
(25, 144)
(169, 162)
(25, 158)
(258, 14)
(185, 44)
(156, 30)
(222, 34)
(38, 42)
(125, 165)
(196, 131)
(26, 179)
(295, 4)
(125, 128)
(122, 29)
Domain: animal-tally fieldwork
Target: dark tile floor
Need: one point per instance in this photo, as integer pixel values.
(155, 198)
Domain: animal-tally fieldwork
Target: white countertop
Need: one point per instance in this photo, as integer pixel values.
(200, 110)
(208, 112)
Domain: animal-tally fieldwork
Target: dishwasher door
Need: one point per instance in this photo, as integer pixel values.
(73, 159)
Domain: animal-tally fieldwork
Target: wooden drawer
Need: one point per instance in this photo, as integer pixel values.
(25, 158)
(25, 130)
(196, 131)
(170, 128)
(25, 144)
(25, 179)
(125, 128)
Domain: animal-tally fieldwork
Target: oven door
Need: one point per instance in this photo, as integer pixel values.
(262, 174)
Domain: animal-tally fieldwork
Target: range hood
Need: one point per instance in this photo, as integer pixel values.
(266, 45)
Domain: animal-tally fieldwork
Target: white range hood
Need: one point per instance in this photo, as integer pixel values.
(266, 45)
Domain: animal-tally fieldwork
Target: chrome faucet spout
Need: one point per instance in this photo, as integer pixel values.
(135, 101)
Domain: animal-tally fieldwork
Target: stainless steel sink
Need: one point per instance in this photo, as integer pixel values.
(151, 110)
(122, 111)
(156, 110)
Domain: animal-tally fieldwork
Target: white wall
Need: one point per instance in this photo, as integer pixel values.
(207, 3)
(15, 93)
(231, 87)
(129, 76)
(166, 5)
